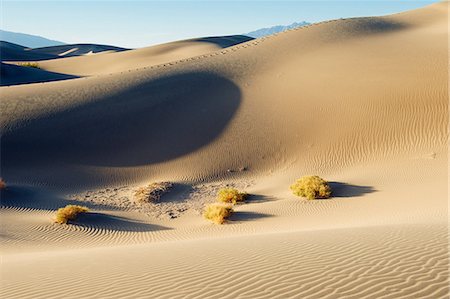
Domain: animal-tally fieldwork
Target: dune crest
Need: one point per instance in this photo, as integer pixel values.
(122, 61)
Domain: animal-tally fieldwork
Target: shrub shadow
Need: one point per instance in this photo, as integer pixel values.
(178, 193)
(258, 198)
(339, 189)
(247, 216)
(114, 223)
(21, 197)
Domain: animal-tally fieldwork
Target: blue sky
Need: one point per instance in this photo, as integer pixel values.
(143, 23)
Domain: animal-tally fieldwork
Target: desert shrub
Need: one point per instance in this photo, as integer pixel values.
(2, 184)
(152, 192)
(217, 212)
(311, 187)
(30, 64)
(230, 195)
(69, 212)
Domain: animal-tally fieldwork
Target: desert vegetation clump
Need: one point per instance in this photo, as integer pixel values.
(218, 212)
(152, 192)
(69, 212)
(30, 64)
(311, 187)
(2, 184)
(230, 195)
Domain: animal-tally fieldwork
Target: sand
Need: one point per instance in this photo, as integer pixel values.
(16, 74)
(82, 63)
(361, 102)
(77, 49)
(14, 52)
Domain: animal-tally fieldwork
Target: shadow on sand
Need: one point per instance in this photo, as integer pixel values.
(247, 216)
(15, 75)
(258, 198)
(347, 190)
(21, 197)
(115, 223)
(150, 122)
(178, 193)
(225, 41)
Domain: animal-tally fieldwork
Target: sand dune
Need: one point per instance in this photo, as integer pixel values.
(13, 52)
(271, 111)
(16, 74)
(80, 63)
(76, 49)
(362, 102)
(139, 58)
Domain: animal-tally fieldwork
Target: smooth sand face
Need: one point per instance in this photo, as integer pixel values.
(361, 102)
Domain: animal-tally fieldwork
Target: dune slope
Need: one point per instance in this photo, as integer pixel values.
(13, 52)
(283, 110)
(76, 49)
(143, 57)
(16, 74)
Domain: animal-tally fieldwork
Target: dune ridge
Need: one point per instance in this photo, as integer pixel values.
(76, 49)
(377, 139)
(14, 52)
(126, 60)
(16, 74)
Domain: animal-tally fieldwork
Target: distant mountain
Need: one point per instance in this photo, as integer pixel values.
(27, 40)
(275, 29)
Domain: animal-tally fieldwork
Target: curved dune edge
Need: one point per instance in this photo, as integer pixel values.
(76, 49)
(14, 53)
(124, 60)
(278, 117)
(16, 75)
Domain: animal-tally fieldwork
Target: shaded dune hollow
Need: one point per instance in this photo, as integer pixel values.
(149, 123)
(16, 74)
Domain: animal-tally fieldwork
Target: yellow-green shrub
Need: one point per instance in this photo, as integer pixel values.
(69, 212)
(30, 64)
(217, 212)
(311, 187)
(230, 195)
